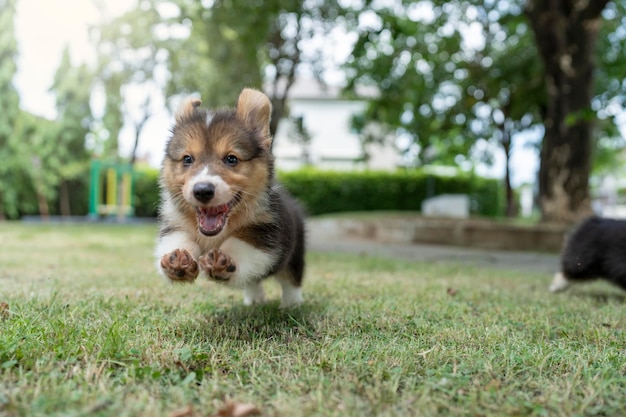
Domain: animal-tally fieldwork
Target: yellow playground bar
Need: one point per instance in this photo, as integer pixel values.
(111, 190)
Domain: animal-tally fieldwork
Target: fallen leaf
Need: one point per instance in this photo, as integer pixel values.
(183, 412)
(233, 409)
(494, 384)
(4, 310)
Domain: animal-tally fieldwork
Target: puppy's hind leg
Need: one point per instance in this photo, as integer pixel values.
(559, 283)
(253, 293)
(292, 292)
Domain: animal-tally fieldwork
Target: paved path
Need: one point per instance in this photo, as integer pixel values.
(325, 237)
(540, 262)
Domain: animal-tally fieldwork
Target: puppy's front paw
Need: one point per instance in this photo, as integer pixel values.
(179, 266)
(217, 265)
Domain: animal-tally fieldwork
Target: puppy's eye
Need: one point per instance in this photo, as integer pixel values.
(231, 160)
(187, 160)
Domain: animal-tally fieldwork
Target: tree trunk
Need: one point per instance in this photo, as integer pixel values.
(44, 212)
(133, 155)
(278, 111)
(64, 199)
(566, 32)
(511, 206)
(139, 128)
(281, 85)
(284, 78)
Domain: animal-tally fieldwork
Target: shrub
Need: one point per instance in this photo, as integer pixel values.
(146, 192)
(328, 192)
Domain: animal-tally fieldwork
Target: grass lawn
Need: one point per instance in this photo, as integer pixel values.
(92, 330)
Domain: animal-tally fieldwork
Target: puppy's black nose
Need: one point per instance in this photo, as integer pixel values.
(204, 191)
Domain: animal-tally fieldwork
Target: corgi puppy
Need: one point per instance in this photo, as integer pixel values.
(222, 214)
(596, 249)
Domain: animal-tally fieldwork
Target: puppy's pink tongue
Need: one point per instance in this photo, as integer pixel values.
(211, 220)
(212, 224)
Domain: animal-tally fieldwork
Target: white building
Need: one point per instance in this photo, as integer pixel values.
(326, 118)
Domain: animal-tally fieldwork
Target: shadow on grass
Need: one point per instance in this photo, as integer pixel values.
(250, 324)
(601, 297)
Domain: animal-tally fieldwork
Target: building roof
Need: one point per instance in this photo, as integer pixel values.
(312, 89)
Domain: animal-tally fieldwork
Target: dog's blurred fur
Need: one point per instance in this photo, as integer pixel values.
(596, 249)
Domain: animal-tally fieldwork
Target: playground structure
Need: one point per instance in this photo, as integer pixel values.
(111, 190)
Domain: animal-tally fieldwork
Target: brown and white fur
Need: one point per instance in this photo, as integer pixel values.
(222, 213)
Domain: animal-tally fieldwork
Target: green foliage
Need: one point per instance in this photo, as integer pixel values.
(132, 58)
(452, 74)
(78, 196)
(330, 192)
(610, 85)
(441, 88)
(73, 87)
(146, 192)
(9, 111)
(223, 35)
(68, 158)
(262, 43)
(45, 160)
(48, 155)
(234, 44)
(37, 149)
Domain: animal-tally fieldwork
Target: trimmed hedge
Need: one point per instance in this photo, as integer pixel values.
(330, 192)
(323, 192)
(146, 192)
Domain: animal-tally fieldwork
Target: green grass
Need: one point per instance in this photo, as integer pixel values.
(92, 330)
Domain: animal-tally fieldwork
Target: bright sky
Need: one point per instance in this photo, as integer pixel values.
(44, 27)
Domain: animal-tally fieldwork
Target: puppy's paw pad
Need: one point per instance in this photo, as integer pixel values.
(179, 266)
(217, 265)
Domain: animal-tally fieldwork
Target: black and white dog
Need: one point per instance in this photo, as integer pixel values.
(595, 250)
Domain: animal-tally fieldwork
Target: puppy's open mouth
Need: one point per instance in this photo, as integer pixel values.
(211, 220)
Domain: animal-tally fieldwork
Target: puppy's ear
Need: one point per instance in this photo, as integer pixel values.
(255, 110)
(186, 108)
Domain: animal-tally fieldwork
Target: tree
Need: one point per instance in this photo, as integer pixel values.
(452, 75)
(566, 33)
(9, 110)
(220, 54)
(415, 63)
(505, 80)
(132, 63)
(214, 49)
(38, 152)
(235, 43)
(299, 135)
(72, 86)
(442, 95)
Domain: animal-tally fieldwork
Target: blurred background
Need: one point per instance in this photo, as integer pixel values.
(497, 108)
